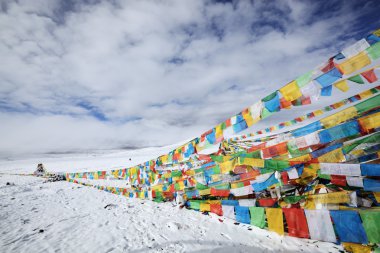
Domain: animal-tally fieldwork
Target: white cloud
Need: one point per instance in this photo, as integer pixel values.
(158, 71)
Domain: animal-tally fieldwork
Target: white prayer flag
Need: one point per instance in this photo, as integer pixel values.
(229, 212)
(320, 226)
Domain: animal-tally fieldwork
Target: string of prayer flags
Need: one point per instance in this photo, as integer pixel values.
(321, 172)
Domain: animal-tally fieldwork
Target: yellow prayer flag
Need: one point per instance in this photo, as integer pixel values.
(168, 174)
(115, 173)
(335, 156)
(254, 162)
(157, 187)
(235, 185)
(370, 122)
(356, 248)
(218, 131)
(248, 119)
(339, 117)
(309, 204)
(342, 85)
(365, 94)
(226, 167)
(377, 196)
(204, 207)
(355, 63)
(303, 158)
(275, 220)
(291, 91)
(164, 159)
(318, 112)
(190, 172)
(205, 192)
(330, 198)
(339, 104)
(181, 185)
(377, 32)
(215, 202)
(310, 171)
(358, 152)
(96, 176)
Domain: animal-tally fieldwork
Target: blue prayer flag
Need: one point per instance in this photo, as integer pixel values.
(326, 91)
(329, 78)
(262, 186)
(242, 214)
(230, 202)
(349, 226)
(371, 185)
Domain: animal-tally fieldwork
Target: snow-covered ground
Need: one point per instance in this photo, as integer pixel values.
(64, 217)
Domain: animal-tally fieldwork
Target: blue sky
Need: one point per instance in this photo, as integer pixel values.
(79, 75)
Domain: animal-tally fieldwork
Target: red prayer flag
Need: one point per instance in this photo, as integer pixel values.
(306, 101)
(285, 104)
(297, 224)
(219, 193)
(338, 180)
(217, 209)
(250, 174)
(267, 202)
(276, 150)
(329, 66)
(228, 122)
(370, 76)
(285, 177)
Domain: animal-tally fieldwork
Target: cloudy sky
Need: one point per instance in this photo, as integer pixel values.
(79, 75)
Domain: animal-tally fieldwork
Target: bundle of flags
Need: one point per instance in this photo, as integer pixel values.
(318, 181)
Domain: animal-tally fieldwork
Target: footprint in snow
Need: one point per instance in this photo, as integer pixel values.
(110, 206)
(173, 226)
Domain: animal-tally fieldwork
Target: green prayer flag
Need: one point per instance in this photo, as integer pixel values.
(176, 173)
(223, 186)
(374, 51)
(357, 79)
(265, 113)
(201, 186)
(217, 158)
(293, 199)
(304, 79)
(368, 104)
(324, 176)
(194, 204)
(371, 224)
(270, 97)
(257, 216)
(216, 169)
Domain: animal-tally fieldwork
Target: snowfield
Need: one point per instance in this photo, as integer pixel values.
(64, 217)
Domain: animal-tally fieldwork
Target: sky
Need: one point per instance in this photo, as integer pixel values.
(79, 75)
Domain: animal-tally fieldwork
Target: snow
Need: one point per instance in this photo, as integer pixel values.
(64, 217)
